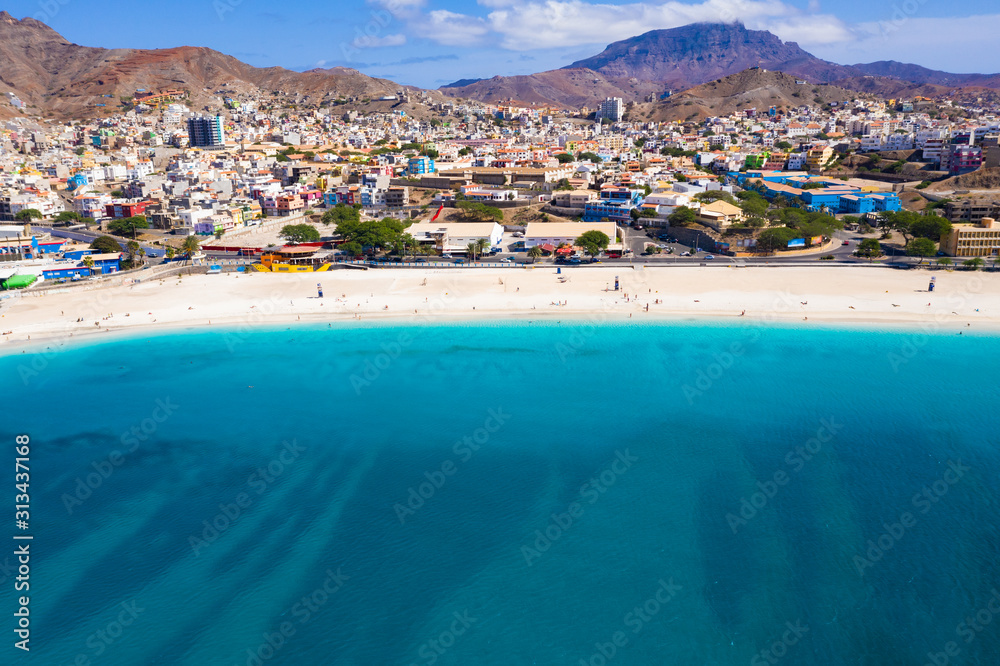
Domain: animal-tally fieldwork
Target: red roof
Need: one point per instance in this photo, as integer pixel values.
(548, 247)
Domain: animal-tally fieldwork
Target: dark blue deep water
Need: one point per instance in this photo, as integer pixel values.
(532, 493)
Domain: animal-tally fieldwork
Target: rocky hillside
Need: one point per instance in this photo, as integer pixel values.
(54, 76)
(756, 88)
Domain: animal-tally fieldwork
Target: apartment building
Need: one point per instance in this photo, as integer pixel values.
(980, 240)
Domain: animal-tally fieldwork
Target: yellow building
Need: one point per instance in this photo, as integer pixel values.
(980, 240)
(721, 214)
(818, 157)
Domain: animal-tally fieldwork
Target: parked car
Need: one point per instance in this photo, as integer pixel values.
(685, 254)
(459, 261)
(846, 243)
(507, 260)
(575, 260)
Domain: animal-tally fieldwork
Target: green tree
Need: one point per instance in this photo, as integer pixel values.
(128, 225)
(131, 249)
(715, 195)
(299, 233)
(535, 252)
(590, 157)
(682, 216)
(171, 252)
(28, 214)
(373, 235)
(480, 211)
(933, 227)
(921, 247)
(974, 264)
(117, 194)
(771, 240)
(869, 248)
(593, 242)
(67, 216)
(944, 261)
(341, 213)
(105, 245)
(755, 207)
(89, 262)
(190, 246)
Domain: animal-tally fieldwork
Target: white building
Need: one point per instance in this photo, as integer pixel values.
(557, 233)
(456, 237)
(613, 109)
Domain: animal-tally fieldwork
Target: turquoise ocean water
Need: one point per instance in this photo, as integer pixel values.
(530, 493)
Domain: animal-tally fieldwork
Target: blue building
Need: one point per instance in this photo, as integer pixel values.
(79, 180)
(206, 132)
(420, 165)
(616, 211)
(854, 205)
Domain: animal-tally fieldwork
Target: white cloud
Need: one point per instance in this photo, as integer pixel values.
(924, 41)
(445, 27)
(573, 22)
(368, 41)
(536, 25)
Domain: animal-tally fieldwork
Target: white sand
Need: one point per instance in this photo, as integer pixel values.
(871, 297)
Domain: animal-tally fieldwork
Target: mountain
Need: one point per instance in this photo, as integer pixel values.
(573, 88)
(692, 55)
(917, 74)
(60, 78)
(751, 88)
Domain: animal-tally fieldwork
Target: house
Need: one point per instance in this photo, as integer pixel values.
(555, 234)
(721, 214)
(455, 237)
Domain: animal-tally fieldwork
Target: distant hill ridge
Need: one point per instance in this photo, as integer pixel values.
(684, 57)
(60, 78)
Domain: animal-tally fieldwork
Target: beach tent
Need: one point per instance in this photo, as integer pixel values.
(19, 281)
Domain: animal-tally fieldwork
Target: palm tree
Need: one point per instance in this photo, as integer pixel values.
(535, 252)
(89, 263)
(132, 248)
(473, 249)
(190, 245)
(482, 245)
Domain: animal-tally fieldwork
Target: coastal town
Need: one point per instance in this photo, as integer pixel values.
(472, 182)
(671, 316)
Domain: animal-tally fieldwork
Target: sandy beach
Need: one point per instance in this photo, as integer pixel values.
(861, 296)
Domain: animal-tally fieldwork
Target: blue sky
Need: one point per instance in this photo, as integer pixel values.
(432, 42)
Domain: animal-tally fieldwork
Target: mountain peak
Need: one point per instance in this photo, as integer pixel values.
(693, 54)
